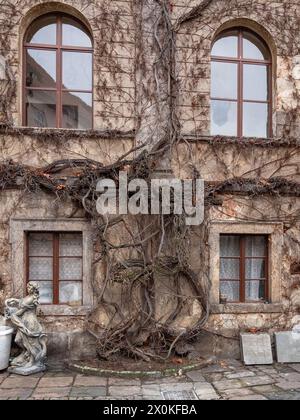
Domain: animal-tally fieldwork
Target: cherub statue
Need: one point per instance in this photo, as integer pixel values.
(29, 337)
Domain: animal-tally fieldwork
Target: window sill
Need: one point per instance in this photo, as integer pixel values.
(247, 141)
(247, 308)
(67, 133)
(63, 310)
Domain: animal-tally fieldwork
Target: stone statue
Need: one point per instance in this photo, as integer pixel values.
(29, 337)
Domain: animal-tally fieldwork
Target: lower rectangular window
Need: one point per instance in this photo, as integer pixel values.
(54, 261)
(244, 268)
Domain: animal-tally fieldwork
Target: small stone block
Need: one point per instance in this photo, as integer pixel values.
(288, 347)
(256, 349)
(26, 371)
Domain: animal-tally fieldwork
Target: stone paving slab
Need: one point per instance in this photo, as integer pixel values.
(206, 391)
(288, 385)
(2, 377)
(227, 384)
(16, 394)
(265, 389)
(55, 374)
(293, 377)
(250, 398)
(90, 381)
(177, 387)
(168, 380)
(295, 367)
(239, 375)
(56, 382)
(287, 396)
(19, 382)
(151, 390)
(119, 391)
(231, 393)
(258, 380)
(196, 375)
(124, 382)
(92, 392)
(51, 392)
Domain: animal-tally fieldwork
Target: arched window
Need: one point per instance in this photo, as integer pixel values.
(241, 97)
(58, 74)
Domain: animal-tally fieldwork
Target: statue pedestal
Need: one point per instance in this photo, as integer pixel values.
(27, 371)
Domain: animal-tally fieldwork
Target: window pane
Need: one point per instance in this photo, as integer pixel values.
(40, 244)
(77, 71)
(227, 46)
(70, 269)
(46, 292)
(230, 290)
(70, 245)
(74, 34)
(255, 120)
(224, 118)
(230, 246)
(255, 290)
(230, 269)
(41, 68)
(70, 293)
(77, 110)
(255, 269)
(255, 82)
(254, 48)
(224, 80)
(43, 31)
(41, 108)
(256, 246)
(40, 269)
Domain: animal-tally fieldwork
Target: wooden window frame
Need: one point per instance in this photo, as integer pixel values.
(56, 264)
(59, 48)
(242, 258)
(241, 61)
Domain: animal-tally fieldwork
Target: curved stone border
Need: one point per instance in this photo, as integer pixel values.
(81, 367)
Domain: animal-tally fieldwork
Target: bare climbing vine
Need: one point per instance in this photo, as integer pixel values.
(151, 256)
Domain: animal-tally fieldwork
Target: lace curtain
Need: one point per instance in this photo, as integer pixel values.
(254, 267)
(69, 260)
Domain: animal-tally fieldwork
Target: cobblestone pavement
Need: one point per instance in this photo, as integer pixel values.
(227, 380)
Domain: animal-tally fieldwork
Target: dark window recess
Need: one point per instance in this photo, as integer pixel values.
(54, 261)
(295, 268)
(244, 268)
(241, 85)
(58, 74)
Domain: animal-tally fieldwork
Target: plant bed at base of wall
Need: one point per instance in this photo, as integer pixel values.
(125, 368)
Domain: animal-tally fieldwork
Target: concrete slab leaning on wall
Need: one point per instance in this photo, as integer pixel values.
(256, 349)
(288, 347)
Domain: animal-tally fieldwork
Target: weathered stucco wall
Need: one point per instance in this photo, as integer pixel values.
(112, 27)
(121, 79)
(277, 23)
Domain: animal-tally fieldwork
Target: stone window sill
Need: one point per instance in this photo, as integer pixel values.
(247, 308)
(63, 310)
(66, 132)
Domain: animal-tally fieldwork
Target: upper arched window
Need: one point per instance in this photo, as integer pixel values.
(58, 74)
(241, 98)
